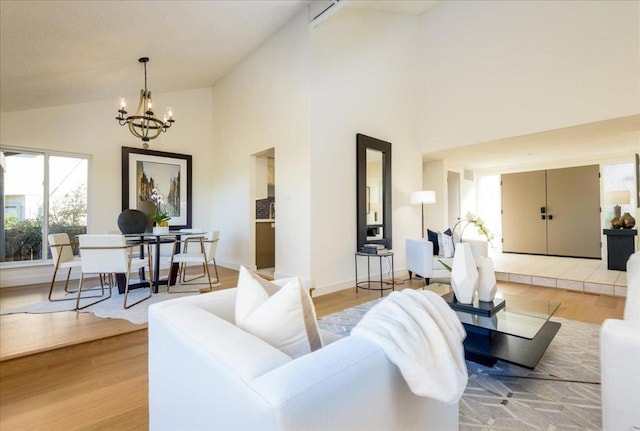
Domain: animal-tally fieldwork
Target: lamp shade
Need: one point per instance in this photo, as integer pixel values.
(617, 197)
(423, 197)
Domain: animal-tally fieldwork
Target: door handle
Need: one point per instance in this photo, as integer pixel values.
(550, 217)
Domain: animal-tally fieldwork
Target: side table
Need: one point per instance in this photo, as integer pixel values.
(369, 256)
(620, 245)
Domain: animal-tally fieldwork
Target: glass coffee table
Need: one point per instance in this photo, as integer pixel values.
(512, 328)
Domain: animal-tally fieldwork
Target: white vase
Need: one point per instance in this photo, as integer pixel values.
(487, 285)
(160, 229)
(464, 274)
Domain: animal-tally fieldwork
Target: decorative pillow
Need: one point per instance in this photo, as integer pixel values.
(440, 245)
(447, 244)
(282, 316)
(433, 237)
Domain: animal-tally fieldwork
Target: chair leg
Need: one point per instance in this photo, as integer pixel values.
(215, 266)
(410, 275)
(66, 289)
(66, 283)
(170, 273)
(184, 273)
(183, 281)
(53, 280)
(78, 298)
(206, 267)
(126, 293)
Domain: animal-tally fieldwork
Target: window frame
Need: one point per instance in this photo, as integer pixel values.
(46, 198)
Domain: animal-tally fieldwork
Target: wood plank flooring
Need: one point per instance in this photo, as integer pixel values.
(102, 384)
(22, 334)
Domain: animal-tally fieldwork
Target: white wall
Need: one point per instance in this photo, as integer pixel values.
(263, 103)
(435, 178)
(363, 80)
(91, 128)
(466, 72)
(496, 69)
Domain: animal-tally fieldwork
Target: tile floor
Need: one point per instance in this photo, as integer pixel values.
(582, 275)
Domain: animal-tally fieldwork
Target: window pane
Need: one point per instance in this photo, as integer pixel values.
(23, 206)
(67, 196)
(619, 178)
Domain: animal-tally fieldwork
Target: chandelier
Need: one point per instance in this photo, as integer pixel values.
(144, 125)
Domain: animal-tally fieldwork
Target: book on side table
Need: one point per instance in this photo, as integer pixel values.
(373, 249)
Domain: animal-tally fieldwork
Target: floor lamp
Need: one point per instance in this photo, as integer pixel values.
(423, 197)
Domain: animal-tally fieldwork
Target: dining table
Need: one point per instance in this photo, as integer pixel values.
(156, 239)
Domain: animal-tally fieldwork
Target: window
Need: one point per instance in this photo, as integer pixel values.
(42, 193)
(621, 178)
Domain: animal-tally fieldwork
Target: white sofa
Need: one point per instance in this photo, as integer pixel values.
(207, 374)
(620, 359)
(421, 260)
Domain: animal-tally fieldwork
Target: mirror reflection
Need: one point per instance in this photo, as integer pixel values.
(374, 195)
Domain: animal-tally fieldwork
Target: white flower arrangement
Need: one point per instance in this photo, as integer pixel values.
(160, 216)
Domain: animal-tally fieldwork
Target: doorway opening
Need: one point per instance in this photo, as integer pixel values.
(265, 212)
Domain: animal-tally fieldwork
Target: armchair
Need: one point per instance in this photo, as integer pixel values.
(422, 261)
(619, 358)
(206, 373)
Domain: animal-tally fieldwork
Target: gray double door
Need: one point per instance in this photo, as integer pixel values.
(554, 212)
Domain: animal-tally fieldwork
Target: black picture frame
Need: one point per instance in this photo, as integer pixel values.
(180, 162)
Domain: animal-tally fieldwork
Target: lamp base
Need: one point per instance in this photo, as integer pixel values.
(616, 211)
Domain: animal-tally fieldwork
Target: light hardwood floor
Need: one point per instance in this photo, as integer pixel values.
(98, 383)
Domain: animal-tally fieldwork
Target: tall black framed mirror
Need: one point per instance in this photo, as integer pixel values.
(373, 167)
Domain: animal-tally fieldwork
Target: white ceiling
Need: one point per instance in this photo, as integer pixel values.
(63, 52)
(571, 145)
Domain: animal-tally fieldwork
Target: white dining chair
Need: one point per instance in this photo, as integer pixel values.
(110, 254)
(199, 250)
(62, 256)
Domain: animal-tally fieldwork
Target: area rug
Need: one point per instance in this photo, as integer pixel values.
(562, 393)
(112, 308)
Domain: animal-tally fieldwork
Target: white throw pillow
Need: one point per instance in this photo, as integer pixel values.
(440, 245)
(282, 316)
(447, 243)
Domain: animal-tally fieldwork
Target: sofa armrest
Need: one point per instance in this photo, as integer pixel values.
(199, 368)
(349, 384)
(419, 255)
(632, 304)
(619, 357)
(222, 303)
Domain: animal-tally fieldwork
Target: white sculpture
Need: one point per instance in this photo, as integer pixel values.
(487, 285)
(464, 275)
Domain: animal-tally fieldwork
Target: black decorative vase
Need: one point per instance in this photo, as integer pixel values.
(132, 221)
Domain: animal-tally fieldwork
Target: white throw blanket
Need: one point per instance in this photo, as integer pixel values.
(423, 337)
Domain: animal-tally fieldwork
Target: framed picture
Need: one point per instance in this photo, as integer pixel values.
(168, 173)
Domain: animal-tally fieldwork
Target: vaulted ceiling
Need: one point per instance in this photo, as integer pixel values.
(64, 52)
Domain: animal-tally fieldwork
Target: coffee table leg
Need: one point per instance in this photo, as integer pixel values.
(381, 282)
